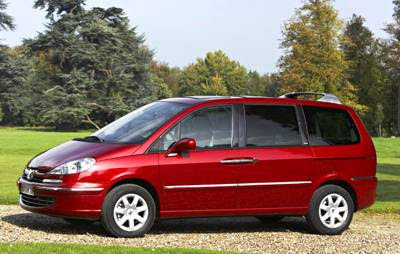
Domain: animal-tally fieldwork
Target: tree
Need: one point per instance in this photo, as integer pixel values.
(392, 65)
(169, 76)
(216, 74)
(379, 117)
(6, 21)
(312, 60)
(15, 91)
(365, 72)
(272, 90)
(214, 86)
(96, 67)
(259, 85)
(59, 7)
(13, 71)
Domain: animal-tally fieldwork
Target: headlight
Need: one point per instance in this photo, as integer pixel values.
(73, 167)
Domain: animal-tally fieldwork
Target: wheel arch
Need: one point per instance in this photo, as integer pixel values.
(345, 185)
(142, 183)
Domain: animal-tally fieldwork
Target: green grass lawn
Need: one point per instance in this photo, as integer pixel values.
(388, 194)
(19, 145)
(39, 248)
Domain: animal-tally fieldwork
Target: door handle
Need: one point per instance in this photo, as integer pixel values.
(238, 161)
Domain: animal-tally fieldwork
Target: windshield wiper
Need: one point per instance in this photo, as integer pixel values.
(91, 139)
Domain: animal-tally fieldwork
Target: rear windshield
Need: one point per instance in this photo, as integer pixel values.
(328, 126)
(137, 126)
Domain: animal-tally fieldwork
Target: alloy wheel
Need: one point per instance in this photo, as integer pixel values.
(131, 212)
(333, 210)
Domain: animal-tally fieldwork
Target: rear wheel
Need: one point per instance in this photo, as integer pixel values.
(331, 210)
(128, 211)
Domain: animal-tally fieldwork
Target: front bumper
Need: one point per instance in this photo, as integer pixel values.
(80, 200)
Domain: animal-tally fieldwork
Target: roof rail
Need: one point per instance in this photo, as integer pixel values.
(325, 97)
(209, 97)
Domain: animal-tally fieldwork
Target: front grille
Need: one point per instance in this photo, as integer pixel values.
(35, 179)
(36, 201)
(38, 176)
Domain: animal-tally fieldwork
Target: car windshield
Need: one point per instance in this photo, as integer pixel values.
(137, 126)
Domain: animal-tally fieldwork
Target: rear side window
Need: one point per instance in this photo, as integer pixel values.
(328, 126)
(271, 125)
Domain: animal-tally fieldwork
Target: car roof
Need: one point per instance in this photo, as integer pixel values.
(195, 100)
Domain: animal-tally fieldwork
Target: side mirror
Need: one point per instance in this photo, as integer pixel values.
(180, 146)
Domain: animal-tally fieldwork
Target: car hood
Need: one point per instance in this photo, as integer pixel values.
(74, 149)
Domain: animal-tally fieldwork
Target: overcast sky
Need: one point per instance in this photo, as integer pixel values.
(179, 31)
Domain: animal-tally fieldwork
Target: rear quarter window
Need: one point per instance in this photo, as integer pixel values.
(329, 126)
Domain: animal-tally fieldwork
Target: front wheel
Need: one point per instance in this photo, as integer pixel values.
(331, 210)
(128, 211)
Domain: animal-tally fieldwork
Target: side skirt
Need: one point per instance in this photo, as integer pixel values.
(298, 211)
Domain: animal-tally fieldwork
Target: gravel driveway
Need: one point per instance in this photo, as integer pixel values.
(367, 234)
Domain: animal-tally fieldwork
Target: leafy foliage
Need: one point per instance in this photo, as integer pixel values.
(169, 76)
(392, 67)
(97, 67)
(15, 91)
(259, 85)
(366, 72)
(312, 59)
(6, 21)
(60, 6)
(90, 67)
(216, 74)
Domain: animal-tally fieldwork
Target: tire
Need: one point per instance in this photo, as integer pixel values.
(134, 208)
(270, 218)
(330, 210)
(78, 222)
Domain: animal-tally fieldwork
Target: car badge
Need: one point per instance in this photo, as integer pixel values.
(30, 174)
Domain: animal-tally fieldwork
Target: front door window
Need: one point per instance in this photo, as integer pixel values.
(210, 127)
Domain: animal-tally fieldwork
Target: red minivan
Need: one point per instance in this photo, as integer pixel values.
(211, 156)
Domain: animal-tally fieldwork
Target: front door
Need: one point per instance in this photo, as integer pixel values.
(196, 182)
(281, 173)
